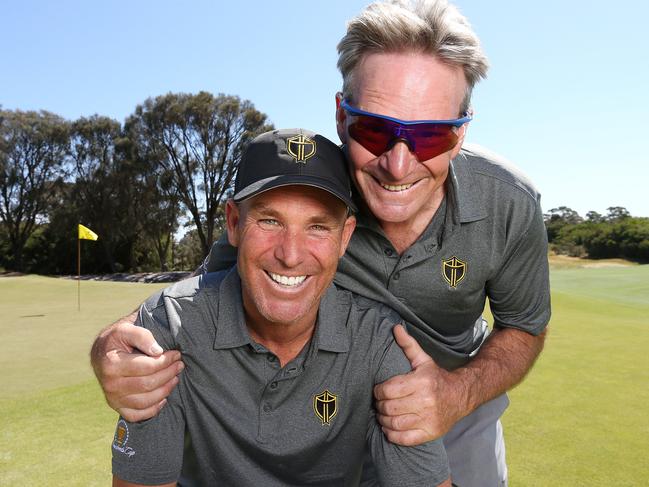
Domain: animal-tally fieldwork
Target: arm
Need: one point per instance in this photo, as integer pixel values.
(151, 452)
(424, 464)
(427, 402)
(134, 374)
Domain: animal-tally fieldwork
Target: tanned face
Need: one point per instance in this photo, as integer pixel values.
(289, 241)
(409, 86)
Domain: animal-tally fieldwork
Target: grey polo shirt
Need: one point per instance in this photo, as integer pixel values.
(487, 240)
(238, 418)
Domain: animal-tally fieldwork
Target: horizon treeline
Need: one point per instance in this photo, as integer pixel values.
(614, 235)
(170, 165)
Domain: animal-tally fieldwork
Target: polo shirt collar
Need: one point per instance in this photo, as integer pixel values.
(232, 332)
(331, 332)
(464, 197)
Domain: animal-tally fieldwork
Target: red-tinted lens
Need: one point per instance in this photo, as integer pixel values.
(425, 140)
(430, 142)
(374, 134)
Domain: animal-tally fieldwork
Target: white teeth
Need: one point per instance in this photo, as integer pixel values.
(287, 280)
(399, 187)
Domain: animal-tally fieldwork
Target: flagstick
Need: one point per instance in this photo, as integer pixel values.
(78, 274)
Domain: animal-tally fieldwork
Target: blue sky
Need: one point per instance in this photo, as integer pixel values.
(565, 99)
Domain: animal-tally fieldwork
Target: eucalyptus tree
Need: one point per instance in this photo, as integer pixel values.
(196, 142)
(33, 148)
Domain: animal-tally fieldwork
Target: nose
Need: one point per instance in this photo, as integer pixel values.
(398, 161)
(290, 248)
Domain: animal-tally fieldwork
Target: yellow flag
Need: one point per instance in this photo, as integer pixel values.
(87, 234)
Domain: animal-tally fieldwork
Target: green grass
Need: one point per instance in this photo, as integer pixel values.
(579, 419)
(56, 428)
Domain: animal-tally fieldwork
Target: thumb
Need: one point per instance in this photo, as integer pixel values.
(413, 351)
(137, 337)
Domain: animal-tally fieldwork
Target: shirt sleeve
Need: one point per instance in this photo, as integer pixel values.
(151, 452)
(519, 295)
(422, 465)
(222, 256)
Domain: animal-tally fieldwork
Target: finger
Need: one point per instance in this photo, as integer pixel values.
(406, 438)
(397, 387)
(134, 415)
(131, 336)
(121, 364)
(121, 386)
(397, 407)
(413, 351)
(144, 400)
(403, 422)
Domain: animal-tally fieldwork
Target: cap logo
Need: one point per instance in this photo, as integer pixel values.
(300, 147)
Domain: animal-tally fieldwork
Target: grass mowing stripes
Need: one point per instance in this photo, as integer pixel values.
(580, 418)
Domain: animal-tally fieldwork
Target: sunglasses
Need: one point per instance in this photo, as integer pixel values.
(425, 138)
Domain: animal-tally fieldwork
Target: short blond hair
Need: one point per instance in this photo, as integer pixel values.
(430, 26)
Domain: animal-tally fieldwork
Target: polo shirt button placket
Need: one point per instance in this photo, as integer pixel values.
(272, 360)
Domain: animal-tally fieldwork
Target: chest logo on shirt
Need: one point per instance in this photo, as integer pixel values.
(325, 406)
(300, 147)
(454, 270)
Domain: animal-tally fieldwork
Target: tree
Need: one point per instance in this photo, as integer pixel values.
(197, 141)
(557, 218)
(616, 213)
(594, 217)
(106, 188)
(33, 148)
(159, 216)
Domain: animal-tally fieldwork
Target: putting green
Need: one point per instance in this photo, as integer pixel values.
(580, 418)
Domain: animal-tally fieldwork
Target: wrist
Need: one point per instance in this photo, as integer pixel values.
(466, 387)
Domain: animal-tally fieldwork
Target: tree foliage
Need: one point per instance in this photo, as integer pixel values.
(197, 142)
(33, 147)
(173, 161)
(617, 234)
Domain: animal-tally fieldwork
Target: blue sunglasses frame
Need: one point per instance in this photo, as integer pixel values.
(425, 138)
(458, 122)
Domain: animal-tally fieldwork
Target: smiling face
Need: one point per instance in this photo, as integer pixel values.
(289, 240)
(398, 188)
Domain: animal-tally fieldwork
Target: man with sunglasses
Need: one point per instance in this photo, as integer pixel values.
(440, 229)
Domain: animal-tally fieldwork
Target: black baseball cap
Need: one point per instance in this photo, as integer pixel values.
(293, 157)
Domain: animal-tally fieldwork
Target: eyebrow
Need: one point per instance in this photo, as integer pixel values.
(265, 210)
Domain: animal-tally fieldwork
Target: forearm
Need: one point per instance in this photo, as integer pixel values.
(501, 363)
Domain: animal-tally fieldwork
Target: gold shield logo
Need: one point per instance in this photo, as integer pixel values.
(454, 270)
(301, 148)
(325, 406)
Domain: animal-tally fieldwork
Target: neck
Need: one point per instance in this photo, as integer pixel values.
(402, 235)
(285, 340)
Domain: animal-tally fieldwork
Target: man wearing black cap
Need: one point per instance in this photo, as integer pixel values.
(280, 364)
(441, 229)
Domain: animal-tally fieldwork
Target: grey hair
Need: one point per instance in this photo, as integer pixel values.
(430, 26)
